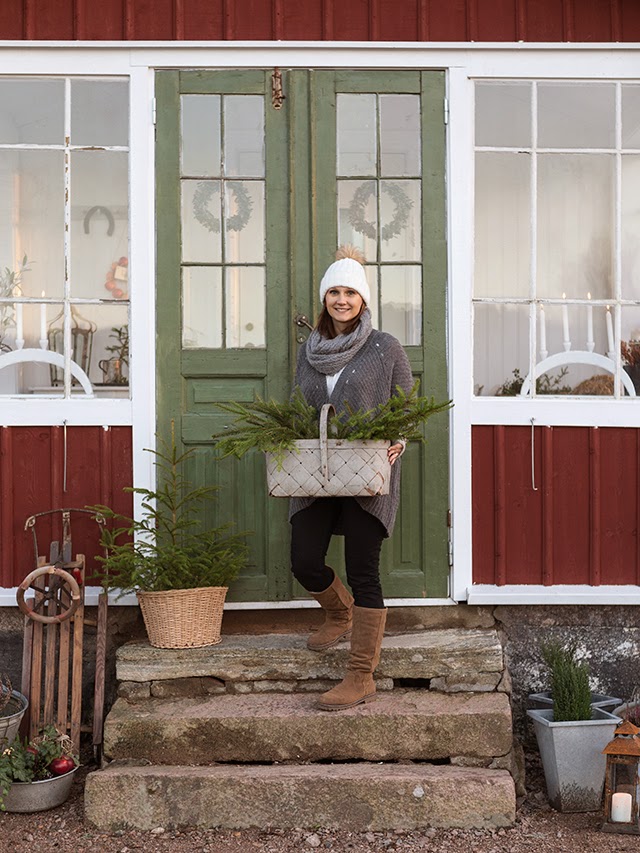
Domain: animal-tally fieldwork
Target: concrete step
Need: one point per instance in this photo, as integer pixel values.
(412, 724)
(455, 659)
(357, 797)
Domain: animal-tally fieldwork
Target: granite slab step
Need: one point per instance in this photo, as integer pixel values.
(412, 724)
(356, 797)
(452, 656)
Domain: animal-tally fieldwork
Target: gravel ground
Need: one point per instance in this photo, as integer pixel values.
(538, 828)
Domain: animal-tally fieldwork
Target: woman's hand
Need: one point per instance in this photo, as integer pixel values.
(395, 451)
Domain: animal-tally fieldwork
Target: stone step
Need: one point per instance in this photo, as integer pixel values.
(455, 659)
(412, 724)
(358, 797)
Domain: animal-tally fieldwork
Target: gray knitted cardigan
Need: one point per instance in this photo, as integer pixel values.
(367, 381)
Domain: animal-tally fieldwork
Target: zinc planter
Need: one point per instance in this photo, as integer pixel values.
(39, 796)
(598, 700)
(12, 716)
(571, 753)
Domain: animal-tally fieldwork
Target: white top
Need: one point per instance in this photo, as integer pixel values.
(331, 381)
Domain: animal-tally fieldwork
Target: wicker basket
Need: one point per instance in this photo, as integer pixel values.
(330, 467)
(183, 618)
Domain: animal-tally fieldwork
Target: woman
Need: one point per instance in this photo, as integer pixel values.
(345, 361)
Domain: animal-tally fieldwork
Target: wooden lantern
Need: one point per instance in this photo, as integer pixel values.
(621, 785)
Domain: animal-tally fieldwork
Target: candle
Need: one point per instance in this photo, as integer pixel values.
(543, 332)
(43, 320)
(609, 332)
(590, 341)
(621, 808)
(566, 340)
(19, 335)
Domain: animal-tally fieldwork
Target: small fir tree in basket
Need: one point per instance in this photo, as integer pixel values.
(569, 682)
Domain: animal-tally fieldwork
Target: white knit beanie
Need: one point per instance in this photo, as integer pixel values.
(346, 271)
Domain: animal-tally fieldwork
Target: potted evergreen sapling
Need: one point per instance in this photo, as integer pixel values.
(179, 569)
(572, 733)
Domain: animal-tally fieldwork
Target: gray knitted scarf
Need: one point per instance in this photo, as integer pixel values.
(329, 355)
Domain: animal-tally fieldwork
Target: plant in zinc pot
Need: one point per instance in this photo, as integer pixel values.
(572, 733)
(630, 710)
(36, 775)
(179, 569)
(13, 706)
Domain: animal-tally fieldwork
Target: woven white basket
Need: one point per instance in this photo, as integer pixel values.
(330, 467)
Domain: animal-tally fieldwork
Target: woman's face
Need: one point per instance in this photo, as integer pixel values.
(343, 305)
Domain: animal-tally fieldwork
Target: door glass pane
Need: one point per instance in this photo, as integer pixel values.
(99, 225)
(32, 220)
(576, 115)
(371, 271)
(32, 111)
(630, 226)
(201, 221)
(201, 307)
(99, 112)
(200, 127)
(575, 231)
(243, 136)
(245, 306)
(630, 116)
(356, 124)
(502, 224)
(501, 348)
(400, 214)
(503, 114)
(399, 135)
(358, 216)
(244, 221)
(401, 298)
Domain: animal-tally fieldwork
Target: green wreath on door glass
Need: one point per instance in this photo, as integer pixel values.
(403, 205)
(204, 193)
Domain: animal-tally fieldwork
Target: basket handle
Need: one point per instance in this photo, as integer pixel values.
(324, 448)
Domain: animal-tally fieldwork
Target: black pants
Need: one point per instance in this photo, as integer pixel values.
(363, 534)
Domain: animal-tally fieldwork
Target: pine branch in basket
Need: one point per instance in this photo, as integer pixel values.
(274, 427)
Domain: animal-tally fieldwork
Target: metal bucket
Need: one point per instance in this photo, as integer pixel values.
(39, 796)
(12, 716)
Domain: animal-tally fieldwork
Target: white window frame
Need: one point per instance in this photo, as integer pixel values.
(464, 63)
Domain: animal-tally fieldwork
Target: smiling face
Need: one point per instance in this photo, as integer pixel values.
(344, 305)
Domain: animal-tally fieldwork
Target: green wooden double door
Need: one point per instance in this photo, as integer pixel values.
(254, 194)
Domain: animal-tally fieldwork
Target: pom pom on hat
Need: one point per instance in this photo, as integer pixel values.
(347, 271)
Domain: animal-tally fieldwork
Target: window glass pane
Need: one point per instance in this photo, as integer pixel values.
(244, 221)
(243, 136)
(399, 135)
(400, 214)
(575, 225)
(631, 116)
(356, 122)
(372, 273)
(630, 346)
(32, 111)
(201, 221)
(576, 115)
(99, 112)
(245, 301)
(502, 224)
(200, 135)
(401, 297)
(630, 259)
(358, 216)
(501, 347)
(99, 224)
(503, 114)
(201, 307)
(32, 219)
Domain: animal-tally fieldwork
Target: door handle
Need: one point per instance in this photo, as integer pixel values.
(302, 320)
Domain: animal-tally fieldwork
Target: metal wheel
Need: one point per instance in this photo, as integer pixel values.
(62, 587)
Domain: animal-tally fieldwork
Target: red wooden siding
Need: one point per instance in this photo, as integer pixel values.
(99, 464)
(580, 526)
(358, 20)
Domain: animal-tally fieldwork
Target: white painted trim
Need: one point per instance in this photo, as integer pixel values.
(91, 593)
(557, 594)
(41, 410)
(554, 411)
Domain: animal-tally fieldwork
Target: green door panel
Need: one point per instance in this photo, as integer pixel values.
(301, 227)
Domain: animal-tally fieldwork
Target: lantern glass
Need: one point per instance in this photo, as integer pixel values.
(621, 804)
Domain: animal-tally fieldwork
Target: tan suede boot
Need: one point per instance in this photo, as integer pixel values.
(336, 601)
(358, 684)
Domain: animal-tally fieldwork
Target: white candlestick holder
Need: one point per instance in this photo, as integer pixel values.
(19, 343)
(44, 343)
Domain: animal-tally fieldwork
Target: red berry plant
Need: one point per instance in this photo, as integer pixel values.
(48, 755)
